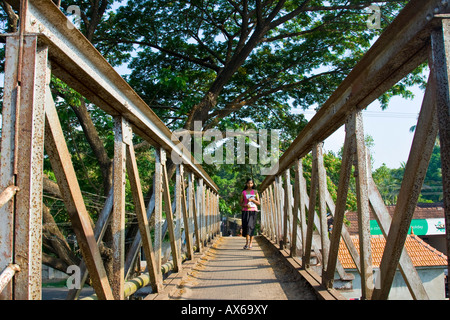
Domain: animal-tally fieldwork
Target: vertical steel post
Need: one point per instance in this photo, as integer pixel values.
(7, 177)
(201, 210)
(287, 205)
(193, 203)
(322, 177)
(30, 127)
(306, 255)
(362, 193)
(118, 214)
(178, 209)
(440, 65)
(279, 208)
(186, 217)
(341, 202)
(61, 162)
(297, 169)
(273, 215)
(160, 159)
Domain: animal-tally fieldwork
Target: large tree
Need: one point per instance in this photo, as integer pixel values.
(206, 60)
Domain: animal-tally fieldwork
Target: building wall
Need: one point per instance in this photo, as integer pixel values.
(432, 278)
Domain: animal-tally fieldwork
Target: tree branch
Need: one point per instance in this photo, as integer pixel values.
(240, 102)
(289, 16)
(198, 61)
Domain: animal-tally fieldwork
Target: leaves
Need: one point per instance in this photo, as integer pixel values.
(247, 54)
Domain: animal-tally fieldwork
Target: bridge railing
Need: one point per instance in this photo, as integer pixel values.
(291, 215)
(47, 44)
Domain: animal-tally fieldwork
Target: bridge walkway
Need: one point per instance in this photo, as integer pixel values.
(227, 271)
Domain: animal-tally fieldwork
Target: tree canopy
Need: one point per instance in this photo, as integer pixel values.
(212, 61)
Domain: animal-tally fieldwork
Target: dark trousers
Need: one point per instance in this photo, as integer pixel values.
(248, 223)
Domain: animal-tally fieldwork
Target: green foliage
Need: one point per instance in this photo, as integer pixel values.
(389, 181)
(184, 48)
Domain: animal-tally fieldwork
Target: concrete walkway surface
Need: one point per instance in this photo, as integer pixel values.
(227, 271)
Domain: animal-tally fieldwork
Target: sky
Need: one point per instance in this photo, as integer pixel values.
(389, 130)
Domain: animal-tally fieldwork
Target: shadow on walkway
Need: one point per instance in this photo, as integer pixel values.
(228, 272)
(293, 284)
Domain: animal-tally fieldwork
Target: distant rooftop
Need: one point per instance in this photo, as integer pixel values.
(421, 253)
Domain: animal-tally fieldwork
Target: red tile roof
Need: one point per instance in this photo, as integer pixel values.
(421, 253)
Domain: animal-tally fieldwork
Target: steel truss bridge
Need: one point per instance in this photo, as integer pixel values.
(45, 46)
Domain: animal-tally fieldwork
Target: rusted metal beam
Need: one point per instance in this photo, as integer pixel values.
(186, 217)
(76, 62)
(122, 137)
(207, 215)
(30, 148)
(361, 176)
(303, 202)
(99, 230)
(440, 66)
(273, 190)
(178, 209)
(270, 214)
(311, 208)
(297, 207)
(341, 204)
(144, 228)
(61, 162)
(201, 210)
(7, 177)
(287, 206)
(407, 269)
(160, 159)
(322, 185)
(193, 210)
(278, 189)
(415, 171)
(397, 52)
(170, 221)
(326, 243)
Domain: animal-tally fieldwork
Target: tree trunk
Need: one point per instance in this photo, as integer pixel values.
(96, 144)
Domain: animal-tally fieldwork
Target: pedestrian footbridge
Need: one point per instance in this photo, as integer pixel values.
(296, 257)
